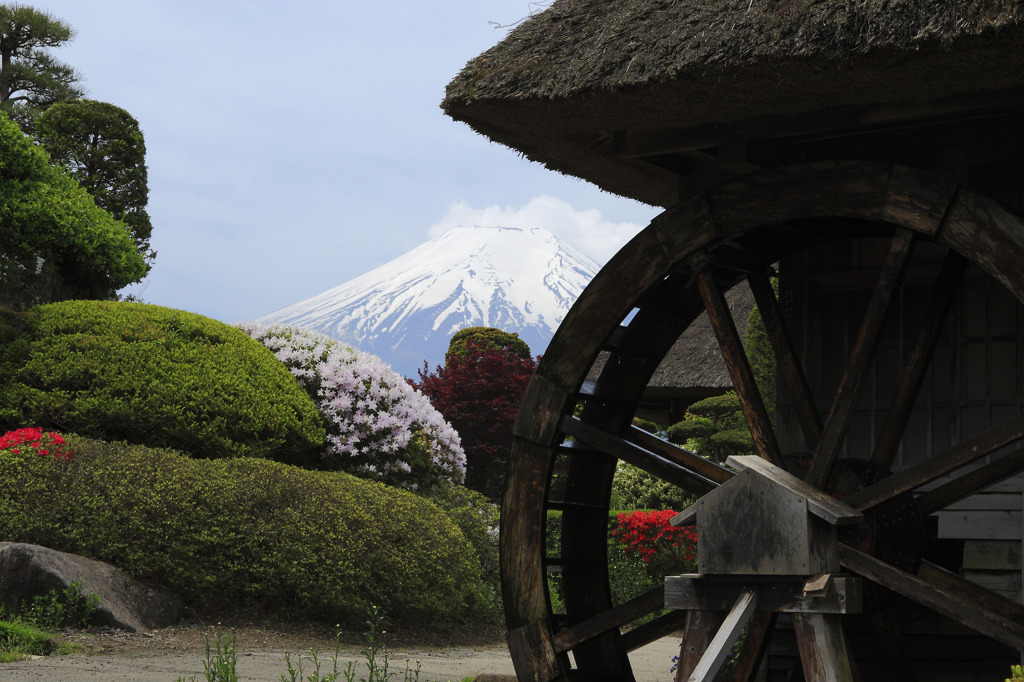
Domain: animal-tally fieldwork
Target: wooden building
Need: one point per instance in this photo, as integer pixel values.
(868, 156)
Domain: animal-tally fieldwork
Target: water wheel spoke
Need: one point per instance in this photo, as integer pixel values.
(653, 463)
(956, 599)
(662, 626)
(972, 482)
(758, 421)
(611, 619)
(790, 369)
(914, 371)
(859, 363)
(938, 466)
(705, 467)
(986, 599)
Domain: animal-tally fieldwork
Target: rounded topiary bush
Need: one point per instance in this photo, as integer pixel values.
(243, 533)
(378, 426)
(154, 376)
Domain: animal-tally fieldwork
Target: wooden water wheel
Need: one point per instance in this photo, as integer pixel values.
(931, 235)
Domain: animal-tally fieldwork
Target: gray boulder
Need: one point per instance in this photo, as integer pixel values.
(30, 570)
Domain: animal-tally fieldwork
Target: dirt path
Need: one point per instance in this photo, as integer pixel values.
(165, 655)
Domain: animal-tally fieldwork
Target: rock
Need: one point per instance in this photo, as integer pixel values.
(30, 570)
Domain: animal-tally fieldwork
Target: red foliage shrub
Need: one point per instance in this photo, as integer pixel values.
(479, 395)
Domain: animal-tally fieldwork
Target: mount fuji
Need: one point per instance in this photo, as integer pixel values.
(405, 311)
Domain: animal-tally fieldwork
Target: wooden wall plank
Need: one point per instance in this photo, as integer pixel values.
(1000, 501)
(980, 525)
(996, 555)
(1005, 583)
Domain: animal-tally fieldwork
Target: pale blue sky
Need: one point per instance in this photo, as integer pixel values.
(294, 146)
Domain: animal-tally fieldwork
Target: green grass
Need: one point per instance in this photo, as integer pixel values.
(19, 639)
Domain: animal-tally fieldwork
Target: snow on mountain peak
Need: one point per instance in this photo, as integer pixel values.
(405, 311)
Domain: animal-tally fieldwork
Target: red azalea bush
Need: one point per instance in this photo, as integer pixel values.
(35, 439)
(664, 547)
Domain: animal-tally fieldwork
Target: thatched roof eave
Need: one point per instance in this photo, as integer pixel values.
(570, 79)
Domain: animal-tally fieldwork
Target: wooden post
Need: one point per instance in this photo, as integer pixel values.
(737, 618)
(823, 654)
(696, 637)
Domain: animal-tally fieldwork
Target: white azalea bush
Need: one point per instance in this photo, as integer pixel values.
(378, 426)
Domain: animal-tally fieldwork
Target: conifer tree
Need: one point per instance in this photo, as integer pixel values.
(102, 147)
(30, 78)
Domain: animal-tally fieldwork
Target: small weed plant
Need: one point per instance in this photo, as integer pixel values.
(68, 608)
(220, 662)
(28, 632)
(1016, 674)
(222, 659)
(378, 661)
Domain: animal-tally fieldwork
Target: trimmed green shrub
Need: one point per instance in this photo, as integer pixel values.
(486, 337)
(158, 377)
(478, 518)
(243, 533)
(55, 242)
(715, 428)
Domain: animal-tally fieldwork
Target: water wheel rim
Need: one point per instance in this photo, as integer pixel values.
(889, 198)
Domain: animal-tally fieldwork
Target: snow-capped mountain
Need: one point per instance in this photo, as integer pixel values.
(519, 280)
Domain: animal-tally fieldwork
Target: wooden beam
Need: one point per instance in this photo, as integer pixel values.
(986, 599)
(959, 605)
(855, 375)
(697, 634)
(790, 370)
(737, 618)
(704, 467)
(612, 619)
(971, 482)
(699, 593)
(662, 626)
(758, 421)
(943, 294)
(653, 463)
(938, 466)
(823, 652)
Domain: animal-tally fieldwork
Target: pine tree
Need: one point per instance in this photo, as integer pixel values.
(30, 78)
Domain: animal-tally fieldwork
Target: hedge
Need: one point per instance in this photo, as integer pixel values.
(154, 376)
(237, 534)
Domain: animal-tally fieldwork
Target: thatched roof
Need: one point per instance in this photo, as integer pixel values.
(591, 87)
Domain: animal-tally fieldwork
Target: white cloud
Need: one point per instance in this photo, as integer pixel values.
(585, 229)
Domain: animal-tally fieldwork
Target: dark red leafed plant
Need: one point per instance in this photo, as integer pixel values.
(478, 394)
(36, 440)
(651, 535)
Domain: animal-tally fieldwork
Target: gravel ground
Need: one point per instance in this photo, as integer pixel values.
(179, 651)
